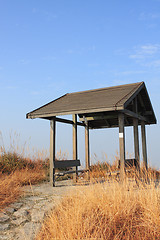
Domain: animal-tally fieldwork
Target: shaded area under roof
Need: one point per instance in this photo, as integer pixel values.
(100, 107)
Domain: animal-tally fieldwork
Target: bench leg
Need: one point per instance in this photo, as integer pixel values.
(54, 177)
(75, 175)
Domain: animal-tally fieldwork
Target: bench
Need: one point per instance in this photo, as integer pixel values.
(129, 163)
(63, 165)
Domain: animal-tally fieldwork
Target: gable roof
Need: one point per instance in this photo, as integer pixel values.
(95, 101)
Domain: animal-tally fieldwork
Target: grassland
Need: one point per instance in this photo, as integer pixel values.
(105, 209)
(17, 171)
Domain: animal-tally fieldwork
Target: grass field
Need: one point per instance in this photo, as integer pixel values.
(17, 171)
(106, 211)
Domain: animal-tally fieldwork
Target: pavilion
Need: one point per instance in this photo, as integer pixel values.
(118, 106)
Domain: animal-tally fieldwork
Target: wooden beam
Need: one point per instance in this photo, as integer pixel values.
(135, 105)
(75, 153)
(122, 145)
(62, 120)
(98, 117)
(69, 172)
(136, 141)
(141, 101)
(50, 115)
(144, 145)
(52, 151)
(142, 85)
(87, 153)
(135, 115)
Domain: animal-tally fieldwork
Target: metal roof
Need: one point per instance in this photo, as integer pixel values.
(96, 101)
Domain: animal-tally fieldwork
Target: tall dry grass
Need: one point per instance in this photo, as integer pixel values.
(19, 166)
(106, 211)
(17, 170)
(11, 184)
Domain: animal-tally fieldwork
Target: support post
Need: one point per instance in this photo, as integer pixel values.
(144, 145)
(52, 151)
(87, 153)
(122, 145)
(75, 154)
(136, 142)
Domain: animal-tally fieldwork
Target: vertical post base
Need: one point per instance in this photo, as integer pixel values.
(87, 153)
(122, 146)
(53, 183)
(144, 146)
(136, 146)
(75, 175)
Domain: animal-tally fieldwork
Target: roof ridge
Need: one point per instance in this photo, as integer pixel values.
(101, 89)
(138, 85)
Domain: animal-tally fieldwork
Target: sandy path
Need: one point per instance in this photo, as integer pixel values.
(22, 220)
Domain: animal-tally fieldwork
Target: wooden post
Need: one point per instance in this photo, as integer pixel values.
(75, 154)
(52, 151)
(87, 153)
(122, 145)
(136, 141)
(144, 145)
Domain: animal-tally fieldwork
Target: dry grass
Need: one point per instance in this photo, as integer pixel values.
(9, 190)
(106, 211)
(17, 170)
(11, 185)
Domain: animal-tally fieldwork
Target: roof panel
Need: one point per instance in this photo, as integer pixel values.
(110, 98)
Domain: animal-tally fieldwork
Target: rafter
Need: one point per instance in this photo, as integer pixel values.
(135, 115)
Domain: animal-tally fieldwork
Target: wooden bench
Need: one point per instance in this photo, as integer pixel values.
(63, 165)
(129, 163)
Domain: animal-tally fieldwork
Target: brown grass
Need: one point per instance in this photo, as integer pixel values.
(106, 211)
(11, 185)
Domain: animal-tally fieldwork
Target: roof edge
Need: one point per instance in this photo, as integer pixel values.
(27, 115)
(33, 116)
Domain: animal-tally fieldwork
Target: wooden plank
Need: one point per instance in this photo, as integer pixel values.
(129, 163)
(144, 145)
(69, 172)
(52, 151)
(122, 145)
(75, 153)
(67, 163)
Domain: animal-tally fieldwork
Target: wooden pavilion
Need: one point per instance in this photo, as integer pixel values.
(118, 106)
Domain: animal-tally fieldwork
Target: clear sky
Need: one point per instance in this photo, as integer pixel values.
(49, 48)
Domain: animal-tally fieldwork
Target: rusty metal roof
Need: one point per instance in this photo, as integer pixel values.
(97, 101)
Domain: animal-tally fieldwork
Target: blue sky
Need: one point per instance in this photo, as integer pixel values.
(49, 48)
